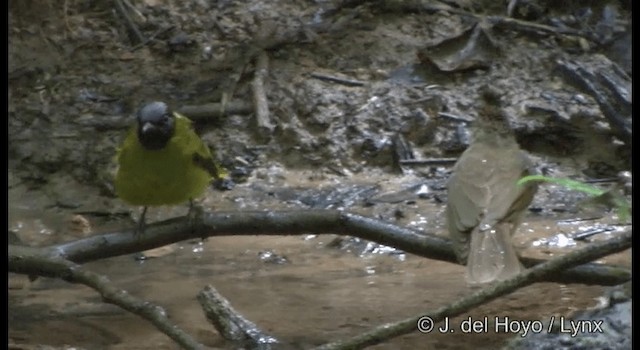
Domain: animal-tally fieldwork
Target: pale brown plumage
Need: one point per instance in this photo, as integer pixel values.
(485, 205)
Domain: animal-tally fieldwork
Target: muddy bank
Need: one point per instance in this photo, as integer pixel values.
(74, 82)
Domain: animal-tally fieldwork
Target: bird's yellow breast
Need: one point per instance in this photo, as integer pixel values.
(162, 177)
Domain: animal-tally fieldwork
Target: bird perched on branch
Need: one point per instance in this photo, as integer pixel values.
(485, 205)
(162, 161)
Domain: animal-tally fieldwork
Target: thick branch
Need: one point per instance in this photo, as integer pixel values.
(216, 110)
(296, 223)
(229, 323)
(259, 95)
(554, 266)
(31, 261)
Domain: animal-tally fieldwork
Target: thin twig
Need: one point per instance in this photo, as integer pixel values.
(581, 236)
(152, 37)
(297, 222)
(454, 117)
(603, 180)
(430, 161)
(131, 26)
(65, 10)
(530, 276)
(573, 220)
(30, 261)
(215, 110)
(333, 79)
(260, 101)
(229, 323)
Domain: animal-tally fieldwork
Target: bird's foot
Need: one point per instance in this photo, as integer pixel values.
(142, 225)
(140, 228)
(194, 216)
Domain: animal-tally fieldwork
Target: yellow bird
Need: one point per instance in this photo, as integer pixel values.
(163, 161)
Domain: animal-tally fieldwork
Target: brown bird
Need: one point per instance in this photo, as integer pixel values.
(485, 205)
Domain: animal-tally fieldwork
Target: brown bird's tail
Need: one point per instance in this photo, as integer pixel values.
(492, 257)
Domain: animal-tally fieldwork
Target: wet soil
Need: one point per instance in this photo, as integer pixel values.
(74, 83)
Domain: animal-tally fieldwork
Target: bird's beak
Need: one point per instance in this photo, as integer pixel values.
(146, 127)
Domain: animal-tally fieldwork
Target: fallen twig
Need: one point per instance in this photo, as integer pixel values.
(65, 12)
(152, 37)
(31, 261)
(402, 151)
(215, 110)
(530, 276)
(572, 220)
(131, 26)
(454, 117)
(229, 323)
(299, 222)
(581, 236)
(260, 101)
(430, 161)
(333, 79)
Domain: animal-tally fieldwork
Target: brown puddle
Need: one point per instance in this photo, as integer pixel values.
(321, 294)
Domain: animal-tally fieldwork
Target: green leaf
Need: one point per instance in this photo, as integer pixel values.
(607, 197)
(571, 184)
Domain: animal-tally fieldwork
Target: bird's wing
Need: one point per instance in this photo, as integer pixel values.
(201, 154)
(468, 194)
(508, 201)
(469, 187)
(127, 144)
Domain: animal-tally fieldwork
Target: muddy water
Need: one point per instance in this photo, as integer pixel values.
(318, 294)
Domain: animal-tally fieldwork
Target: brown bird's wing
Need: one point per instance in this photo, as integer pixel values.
(468, 196)
(482, 192)
(508, 201)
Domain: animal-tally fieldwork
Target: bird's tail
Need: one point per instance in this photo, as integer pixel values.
(492, 256)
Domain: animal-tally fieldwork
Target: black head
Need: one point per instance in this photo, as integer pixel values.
(156, 125)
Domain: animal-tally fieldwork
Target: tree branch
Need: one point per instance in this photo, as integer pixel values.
(530, 276)
(260, 101)
(229, 323)
(32, 261)
(299, 222)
